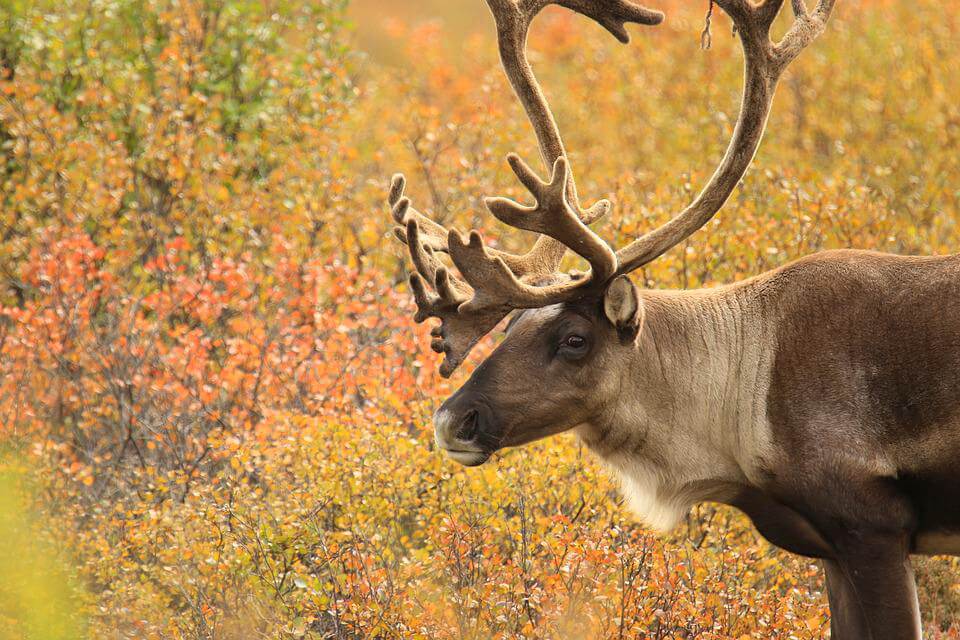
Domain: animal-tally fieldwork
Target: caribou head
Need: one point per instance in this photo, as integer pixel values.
(573, 333)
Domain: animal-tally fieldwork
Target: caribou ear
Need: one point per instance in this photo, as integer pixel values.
(623, 308)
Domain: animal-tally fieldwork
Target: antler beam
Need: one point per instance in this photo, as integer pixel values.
(764, 63)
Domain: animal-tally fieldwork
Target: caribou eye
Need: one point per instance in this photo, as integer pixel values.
(573, 347)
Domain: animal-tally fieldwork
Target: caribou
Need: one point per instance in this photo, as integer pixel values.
(822, 398)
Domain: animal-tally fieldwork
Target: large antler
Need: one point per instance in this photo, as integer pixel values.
(495, 282)
(764, 62)
(498, 282)
(513, 19)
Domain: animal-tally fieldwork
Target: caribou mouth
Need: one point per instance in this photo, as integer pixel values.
(468, 458)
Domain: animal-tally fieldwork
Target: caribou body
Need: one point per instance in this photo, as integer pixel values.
(822, 398)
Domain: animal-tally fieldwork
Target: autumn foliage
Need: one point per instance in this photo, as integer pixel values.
(214, 404)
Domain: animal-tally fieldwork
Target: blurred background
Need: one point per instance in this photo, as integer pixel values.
(373, 19)
(214, 403)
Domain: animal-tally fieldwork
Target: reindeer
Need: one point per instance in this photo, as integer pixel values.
(822, 398)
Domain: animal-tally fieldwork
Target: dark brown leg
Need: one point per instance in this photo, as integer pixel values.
(872, 592)
(847, 620)
(869, 524)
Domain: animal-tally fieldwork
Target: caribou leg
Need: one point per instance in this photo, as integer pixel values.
(872, 591)
(847, 619)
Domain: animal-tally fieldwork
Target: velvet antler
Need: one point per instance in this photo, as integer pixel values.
(495, 282)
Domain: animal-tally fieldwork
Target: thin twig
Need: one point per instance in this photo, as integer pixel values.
(706, 39)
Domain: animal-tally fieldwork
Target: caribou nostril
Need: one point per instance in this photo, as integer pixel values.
(469, 426)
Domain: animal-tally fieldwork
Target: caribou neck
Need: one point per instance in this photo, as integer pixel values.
(690, 420)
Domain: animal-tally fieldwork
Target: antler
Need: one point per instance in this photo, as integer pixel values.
(496, 282)
(513, 19)
(764, 63)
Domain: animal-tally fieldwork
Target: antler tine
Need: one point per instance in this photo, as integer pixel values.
(613, 15)
(434, 235)
(553, 215)
(457, 332)
(806, 28)
(495, 285)
(429, 266)
(491, 301)
(764, 63)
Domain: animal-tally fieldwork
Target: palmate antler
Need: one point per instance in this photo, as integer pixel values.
(495, 282)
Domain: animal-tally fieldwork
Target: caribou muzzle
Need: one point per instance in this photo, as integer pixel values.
(467, 431)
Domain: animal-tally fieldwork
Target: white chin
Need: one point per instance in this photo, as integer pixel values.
(469, 458)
